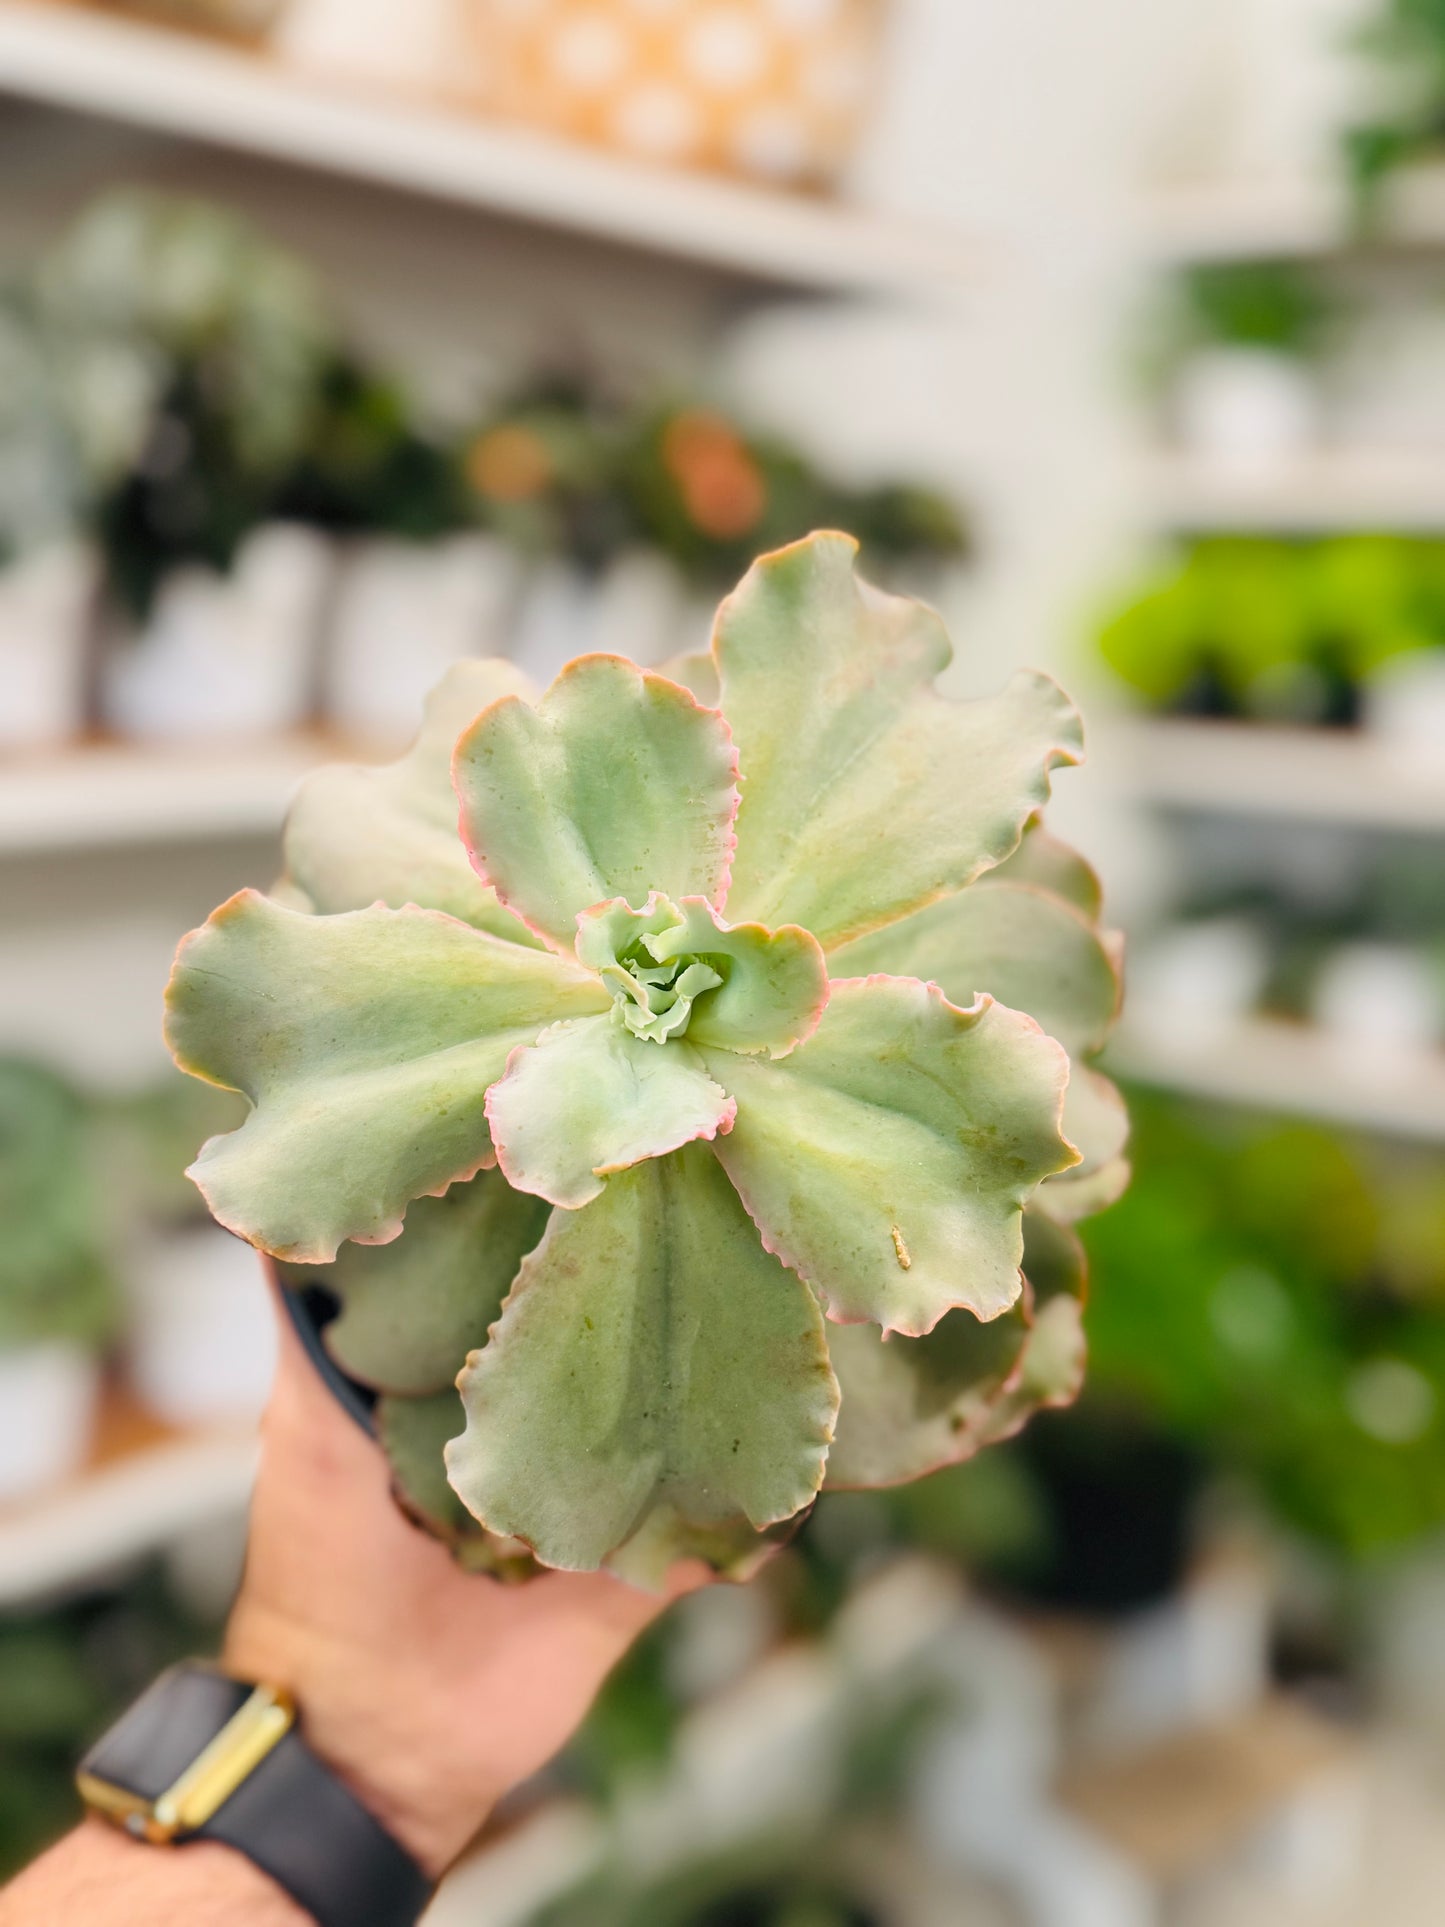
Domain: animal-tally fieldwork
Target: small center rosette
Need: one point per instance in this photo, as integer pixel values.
(677, 967)
(596, 1095)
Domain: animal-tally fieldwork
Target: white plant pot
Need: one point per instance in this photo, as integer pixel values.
(1198, 979)
(1405, 708)
(1246, 410)
(202, 1343)
(45, 606)
(403, 612)
(227, 656)
(1379, 1006)
(639, 607)
(48, 1395)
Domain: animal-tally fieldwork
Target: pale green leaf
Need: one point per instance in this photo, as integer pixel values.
(1050, 1371)
(1019, 944)
(590, 1099)
(360, 834)
(1096, 1123)
(366, 1043)
(865, 793)
(413, 1433)
(911, 1405)
(616, 784)
(1041, 859)
(412, 1310)
(654, 1370)
(888, 1159)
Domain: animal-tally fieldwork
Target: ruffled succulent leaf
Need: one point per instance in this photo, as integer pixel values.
(1055, 1263)
(1068, 1199)
(360, 834)
(589, 1099)
(913, 1405)
(366, 1043)
(1017, 943)
(734, 1550)
(615, 784)
(866, 794)
(769, 986)
(888, 1159)
(696, 671)
(413, 1309)
(654, 1373)
(1048, 864)
(413, 1433)
(1096, 1123)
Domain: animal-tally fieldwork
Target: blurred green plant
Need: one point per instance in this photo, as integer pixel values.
(1236, 625)
(565, 467)
(1405, 43)
(183, 355)
(1272, 305)
(55, 1281)
(1300, 1342)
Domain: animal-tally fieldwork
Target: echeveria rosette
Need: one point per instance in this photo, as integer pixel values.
(718, 985)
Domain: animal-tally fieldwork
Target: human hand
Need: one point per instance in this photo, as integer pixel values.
(429, 1690)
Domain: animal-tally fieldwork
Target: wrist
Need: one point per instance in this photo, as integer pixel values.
(375, 1734)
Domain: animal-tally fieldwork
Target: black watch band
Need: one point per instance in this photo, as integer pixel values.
(286, 1812)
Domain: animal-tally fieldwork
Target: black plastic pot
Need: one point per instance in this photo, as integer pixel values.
(311, 1309)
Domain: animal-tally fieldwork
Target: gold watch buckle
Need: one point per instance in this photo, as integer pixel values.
(208, 1782)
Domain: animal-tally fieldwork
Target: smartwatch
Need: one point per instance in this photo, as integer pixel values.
(204, 1756)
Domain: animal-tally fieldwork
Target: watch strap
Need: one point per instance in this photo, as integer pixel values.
(296, 1821)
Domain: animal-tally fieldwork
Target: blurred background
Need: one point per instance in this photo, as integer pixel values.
(338, 340)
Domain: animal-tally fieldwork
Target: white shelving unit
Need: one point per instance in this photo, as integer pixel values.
(1267, 1065)
(1250, 770)
(120, 1512)
(167, 83)
(1242, 219)
(1332, 491)
(148, 797)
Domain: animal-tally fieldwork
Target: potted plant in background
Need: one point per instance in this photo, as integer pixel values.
(636, 516)
(1243, 339)
(199, 1340)
(1316, 632)
(184, 356)
(47, 571)
(419, 581)
(58, 1300)
(648, 1036)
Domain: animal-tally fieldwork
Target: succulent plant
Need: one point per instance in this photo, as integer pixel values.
(692, 1111)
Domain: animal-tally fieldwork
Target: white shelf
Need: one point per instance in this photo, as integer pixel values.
(1329, 491)
(166, 82)
(1235, 220)
(1275, 1066)
(108, 798)
(1324, 776)
(120, 1511)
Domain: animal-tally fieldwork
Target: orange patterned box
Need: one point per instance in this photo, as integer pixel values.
(769, 88)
